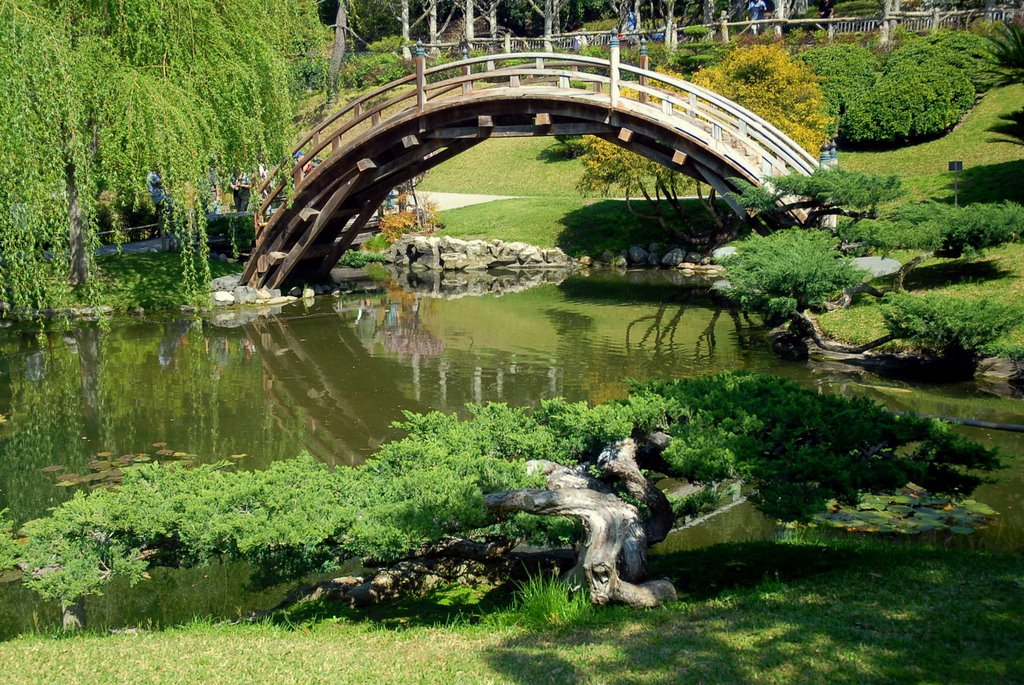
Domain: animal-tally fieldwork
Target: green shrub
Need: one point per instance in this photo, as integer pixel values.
(570, 147)
(309, 74)
(388, 44)
(914, 98)
(968, 52)
(357, 259)
(795, 448)
(967, 229)
(948, 326)
(945, 229)
(696, 32)
(792, 445)
(787, 272)
(847, 73)
(370, 69)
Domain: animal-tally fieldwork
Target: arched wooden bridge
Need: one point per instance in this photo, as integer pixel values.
(399, 130)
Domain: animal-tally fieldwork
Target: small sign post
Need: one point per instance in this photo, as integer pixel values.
(956, 168)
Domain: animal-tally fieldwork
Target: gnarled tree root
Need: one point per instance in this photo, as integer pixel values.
(613, 557)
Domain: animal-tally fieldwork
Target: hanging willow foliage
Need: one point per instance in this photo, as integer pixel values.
(98, 93)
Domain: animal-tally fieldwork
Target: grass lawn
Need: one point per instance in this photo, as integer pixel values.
(149, 280)
(508, 166)
(992, 171)
(784, 612)
(577, 225)
(998, 276)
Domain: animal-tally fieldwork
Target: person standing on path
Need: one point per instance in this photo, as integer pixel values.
(240, 186)
(757, 8)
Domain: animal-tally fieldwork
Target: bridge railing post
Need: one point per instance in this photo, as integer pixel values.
(645, 63)
(613, 86)
(421, 78)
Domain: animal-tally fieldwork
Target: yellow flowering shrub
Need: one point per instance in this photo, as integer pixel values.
(769, 82)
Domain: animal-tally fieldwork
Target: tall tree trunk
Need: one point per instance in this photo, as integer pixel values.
(406, 39)
(492, 18)
(76, 229)
(670, 24)
(549, 23)
(432, 22)
(709, 11)
(470, 20)
(337, 51)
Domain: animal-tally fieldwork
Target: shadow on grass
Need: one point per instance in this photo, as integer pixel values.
(609, 225)
(452, 606)
(992, 183)
(955, 272)
(770, 612)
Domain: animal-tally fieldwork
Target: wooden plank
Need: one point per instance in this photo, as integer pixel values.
(519, 131)
(410, 141)
(276, 257)
(365, 164)
(542, 119)
(485, 121)
(625, 135)
(679, 157)
(308, 212)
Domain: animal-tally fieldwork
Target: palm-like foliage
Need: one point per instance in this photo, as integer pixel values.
(1010, 128)
(1008, 54)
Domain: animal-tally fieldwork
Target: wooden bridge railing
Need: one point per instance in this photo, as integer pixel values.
(724, 29)
(712, 120)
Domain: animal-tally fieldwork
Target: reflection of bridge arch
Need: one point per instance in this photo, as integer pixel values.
(413, 124)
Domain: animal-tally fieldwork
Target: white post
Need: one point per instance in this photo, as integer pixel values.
(613, 73)
(421, 79)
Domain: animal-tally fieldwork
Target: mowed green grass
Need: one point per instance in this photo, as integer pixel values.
(149, 280)
(993, 171)
(508, 166)
(577, 225)
(997, 276)
(757, 612)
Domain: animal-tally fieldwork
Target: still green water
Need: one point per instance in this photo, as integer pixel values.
(331, 378)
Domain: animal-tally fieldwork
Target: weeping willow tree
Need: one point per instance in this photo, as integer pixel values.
(99, 93)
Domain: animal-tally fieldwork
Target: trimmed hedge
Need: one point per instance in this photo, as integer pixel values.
(922, 88)
(847, 73)
(914, 98)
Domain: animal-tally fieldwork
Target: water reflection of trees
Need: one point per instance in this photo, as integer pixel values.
(119, 391)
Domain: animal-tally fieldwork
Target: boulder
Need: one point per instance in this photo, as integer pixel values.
(222, 298)
(638, 256)
(246, 295)
(308, 293)
(723, 252)
(555, 256)
(585, 260)
(673, 258)
(693, 257)
(653, 259)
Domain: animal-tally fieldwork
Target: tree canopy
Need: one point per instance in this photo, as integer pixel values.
(96, 95)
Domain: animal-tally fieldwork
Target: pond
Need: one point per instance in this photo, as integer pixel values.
(330, 379)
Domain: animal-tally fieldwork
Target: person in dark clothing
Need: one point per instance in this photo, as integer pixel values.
(240, 186)
(828, 8)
